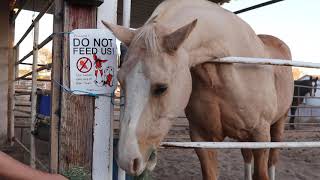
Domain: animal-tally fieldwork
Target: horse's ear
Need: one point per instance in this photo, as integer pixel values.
(317, 78)
(173, 41)
(310, 78)
(124, 34)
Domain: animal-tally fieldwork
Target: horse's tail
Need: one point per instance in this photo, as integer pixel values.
(276, 47)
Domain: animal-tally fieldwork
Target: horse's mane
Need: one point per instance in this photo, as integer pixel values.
(147, 34)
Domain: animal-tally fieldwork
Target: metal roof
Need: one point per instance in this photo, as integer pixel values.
(140, 9)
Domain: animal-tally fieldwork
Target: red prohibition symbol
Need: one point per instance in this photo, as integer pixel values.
(84, 65)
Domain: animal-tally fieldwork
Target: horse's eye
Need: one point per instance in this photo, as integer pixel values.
(159, 89)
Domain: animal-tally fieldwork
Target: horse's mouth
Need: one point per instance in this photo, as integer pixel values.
(152, 161)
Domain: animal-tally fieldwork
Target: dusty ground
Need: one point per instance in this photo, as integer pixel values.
(181, 164)
(295, 164)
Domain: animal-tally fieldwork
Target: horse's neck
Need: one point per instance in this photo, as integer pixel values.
(214, 35)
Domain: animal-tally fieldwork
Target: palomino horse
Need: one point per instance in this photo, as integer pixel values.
(302, 88)
(167, 70)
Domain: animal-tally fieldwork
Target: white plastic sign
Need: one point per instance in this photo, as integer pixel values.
(93, 60)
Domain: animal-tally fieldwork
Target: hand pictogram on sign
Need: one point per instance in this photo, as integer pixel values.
(84, 65)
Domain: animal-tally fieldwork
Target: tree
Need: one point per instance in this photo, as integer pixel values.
(297, 73)
(44, 57)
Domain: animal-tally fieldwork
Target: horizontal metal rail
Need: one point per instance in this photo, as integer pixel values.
(301, 131)
(309, 87)
(48, 67)
(257, 6)
(183, 117)
(43, 43)
(45, 10)
(303, 123)
(265, 61)
(305, 107)
(305, 116)
(307, 97)
(241, 145)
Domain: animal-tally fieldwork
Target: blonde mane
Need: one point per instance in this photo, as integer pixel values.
(147, 34)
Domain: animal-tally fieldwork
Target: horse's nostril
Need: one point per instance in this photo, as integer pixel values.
(136, 164)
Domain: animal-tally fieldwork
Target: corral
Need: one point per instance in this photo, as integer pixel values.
(74, 147)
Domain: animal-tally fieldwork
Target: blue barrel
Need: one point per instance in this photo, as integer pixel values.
(44, 104)
(115, 165)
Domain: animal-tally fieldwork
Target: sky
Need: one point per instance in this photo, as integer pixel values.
(293, 21)
(23, 22)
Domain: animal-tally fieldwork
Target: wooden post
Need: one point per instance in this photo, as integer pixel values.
(103, 129)
(34, 94)
(56, 89)
(4, 60)
(77, 112)
(11, 100)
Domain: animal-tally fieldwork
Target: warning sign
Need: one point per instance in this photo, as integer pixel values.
(84, 65)
(93, 54)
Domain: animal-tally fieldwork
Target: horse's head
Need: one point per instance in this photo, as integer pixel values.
(308, 86)
(156, 80)
(314, 84)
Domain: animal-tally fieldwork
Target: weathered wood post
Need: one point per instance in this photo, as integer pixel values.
(34, 94)
(56, 89)
(4, 52)
(77, 112)
(13, 56)
(86, 129)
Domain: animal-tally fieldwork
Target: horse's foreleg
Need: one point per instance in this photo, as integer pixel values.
(261, 155)
(276, 132)
(207, 157)
(247, 157)
(291, 121)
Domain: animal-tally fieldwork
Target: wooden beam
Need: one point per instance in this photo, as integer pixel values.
(4, 60)
(77, 112)
(34, 94)
(56, 90)
(47, 67)
(11, 86)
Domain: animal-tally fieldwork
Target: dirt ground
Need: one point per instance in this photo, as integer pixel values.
(295, 164)
(182, 164)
